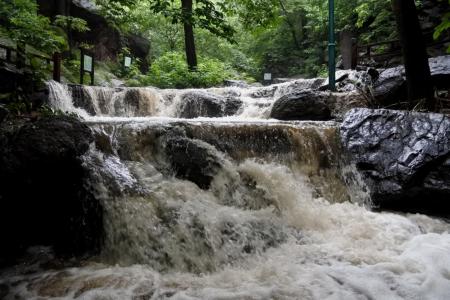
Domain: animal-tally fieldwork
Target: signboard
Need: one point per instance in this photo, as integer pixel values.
(127, 62)
(267, 76)
(87, 66)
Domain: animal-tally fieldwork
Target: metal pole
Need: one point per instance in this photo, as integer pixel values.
(331, 48)
(57, 66)
(81, 66)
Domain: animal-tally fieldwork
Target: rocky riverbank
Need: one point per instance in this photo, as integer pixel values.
(403, 156)
(45, 195)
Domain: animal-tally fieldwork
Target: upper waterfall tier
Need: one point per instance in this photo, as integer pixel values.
(234, 102)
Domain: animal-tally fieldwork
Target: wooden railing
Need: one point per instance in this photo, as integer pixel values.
(20, 58)
(368, 52)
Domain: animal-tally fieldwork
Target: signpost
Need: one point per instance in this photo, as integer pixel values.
(331, 48)
(268, 78)
(86, 65)
(127, 62)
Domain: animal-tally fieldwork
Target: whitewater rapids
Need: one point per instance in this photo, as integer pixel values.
(284, 217)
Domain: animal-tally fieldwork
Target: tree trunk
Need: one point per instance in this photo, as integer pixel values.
(291, 26)
(189, 42)
(414, 52)
(63, 9)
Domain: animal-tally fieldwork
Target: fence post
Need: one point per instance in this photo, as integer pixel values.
(8, 55)
(57, 66)
(355, 54)
(92, 70)
(20, 56)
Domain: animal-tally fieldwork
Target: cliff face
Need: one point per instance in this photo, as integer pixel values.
(106, 39)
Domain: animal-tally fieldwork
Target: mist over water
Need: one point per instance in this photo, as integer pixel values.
(275, 213)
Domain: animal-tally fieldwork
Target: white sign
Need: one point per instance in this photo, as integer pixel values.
(127, 62)
(267, 76)
(87, 66)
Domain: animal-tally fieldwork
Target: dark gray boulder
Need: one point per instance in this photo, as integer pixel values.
(201, 104)
(44, 196)
(193, 160)
(440, 71)
(403, 156)
(390, 87)
(140, 48)
(236, 83)
(305, 105)
(3, 113)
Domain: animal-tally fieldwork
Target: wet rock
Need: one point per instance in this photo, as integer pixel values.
(45, 199)
(440, 71)
(3, 113)
(236, 83)
(9, 77)
(387, 87)
(4, 291)
(306, 105)
(200, 104)
(390, 87)
(403, 156)
(193, 160)
(264, 92)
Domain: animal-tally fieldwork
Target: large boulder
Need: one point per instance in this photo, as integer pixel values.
(390, 87)
(193, 160)
(44, 197)
(403, 156)
(304, 105)
(201, 104)
(440, 71)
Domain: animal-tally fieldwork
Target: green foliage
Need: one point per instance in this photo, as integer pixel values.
(170, 71)
(206, 14)
(127, 72)
(75, 24)
(22, 24)
(443, 27)
(285, 37)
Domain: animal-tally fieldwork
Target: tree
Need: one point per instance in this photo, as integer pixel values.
(444, 26)
(20, 22)
(205, 15)
(415, 57)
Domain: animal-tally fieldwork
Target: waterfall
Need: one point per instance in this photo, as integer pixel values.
(230, 206)
(253, 102)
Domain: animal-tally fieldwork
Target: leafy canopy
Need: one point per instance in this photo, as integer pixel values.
(21, 23)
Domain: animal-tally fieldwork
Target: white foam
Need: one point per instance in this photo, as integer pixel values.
(332, 251)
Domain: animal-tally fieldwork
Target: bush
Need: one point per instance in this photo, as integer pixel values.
(170, 71)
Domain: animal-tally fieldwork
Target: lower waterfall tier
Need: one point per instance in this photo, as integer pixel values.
(229, 210)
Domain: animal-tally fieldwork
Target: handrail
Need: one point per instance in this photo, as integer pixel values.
(395, 50)
(56, 59)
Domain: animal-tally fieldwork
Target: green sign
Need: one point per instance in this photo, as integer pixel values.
(127, 62)
(87, 66)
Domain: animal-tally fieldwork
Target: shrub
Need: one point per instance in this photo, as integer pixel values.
(170, 71)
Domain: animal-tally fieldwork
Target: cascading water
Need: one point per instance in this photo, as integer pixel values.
(234, 207)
